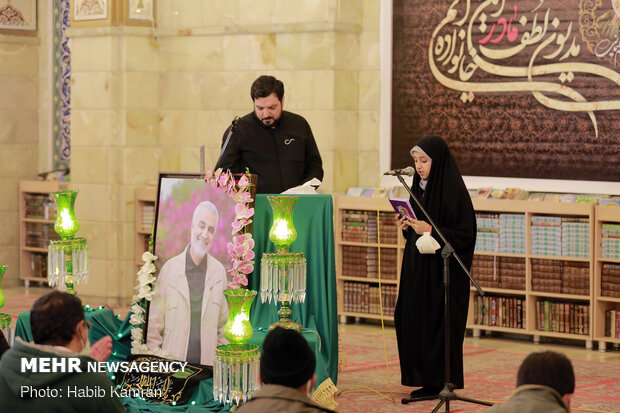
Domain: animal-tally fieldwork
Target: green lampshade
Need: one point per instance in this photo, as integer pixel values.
(282, 232)
(238, 328)
(66, 224)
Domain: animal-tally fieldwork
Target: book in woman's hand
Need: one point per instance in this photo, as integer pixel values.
(402, 207)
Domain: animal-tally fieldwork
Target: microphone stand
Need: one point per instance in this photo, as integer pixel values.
(447, 394)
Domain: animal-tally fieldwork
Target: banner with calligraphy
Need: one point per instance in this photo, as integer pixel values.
(527, 88)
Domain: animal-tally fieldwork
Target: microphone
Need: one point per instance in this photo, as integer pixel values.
(408, 171)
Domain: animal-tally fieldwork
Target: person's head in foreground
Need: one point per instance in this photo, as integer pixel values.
(57, 319)
(288, 360)
(550, 369)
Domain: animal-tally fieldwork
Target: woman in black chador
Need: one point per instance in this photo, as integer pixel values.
(418, 317)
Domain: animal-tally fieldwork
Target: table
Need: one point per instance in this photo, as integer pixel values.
(313, 220)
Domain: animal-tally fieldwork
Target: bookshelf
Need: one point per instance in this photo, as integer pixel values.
(145, 214)
(541, 271)
(538, 276)
(359, 255)
(37, 213)
(607, 275)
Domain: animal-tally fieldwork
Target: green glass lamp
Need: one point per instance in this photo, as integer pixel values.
(235, 365)
(67, 260)
(283, 273)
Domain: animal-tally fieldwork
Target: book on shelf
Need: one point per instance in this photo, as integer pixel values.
(365, 298)
(483, 193)
(562, 317)
(499, 311)
(495, 193)
(612, 323)
(514, 193)
(609, 202)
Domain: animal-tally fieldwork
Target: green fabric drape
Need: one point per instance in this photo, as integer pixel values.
(313, 220)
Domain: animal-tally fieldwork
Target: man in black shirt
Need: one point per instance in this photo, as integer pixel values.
(272, 143)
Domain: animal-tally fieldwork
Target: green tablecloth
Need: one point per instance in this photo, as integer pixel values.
(313, 219)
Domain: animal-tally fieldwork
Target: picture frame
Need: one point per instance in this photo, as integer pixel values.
(19, 17)
(181, 198)
(177, 197)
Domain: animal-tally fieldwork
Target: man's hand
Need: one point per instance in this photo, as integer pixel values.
(102, 349)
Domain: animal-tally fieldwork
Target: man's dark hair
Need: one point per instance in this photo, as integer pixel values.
(287, 358)
(548, 368)
(54, 316)
(265, 86)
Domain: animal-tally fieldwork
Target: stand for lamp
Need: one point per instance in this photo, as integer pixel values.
(447, 394)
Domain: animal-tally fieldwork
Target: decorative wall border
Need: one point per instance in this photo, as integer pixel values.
(62, 86)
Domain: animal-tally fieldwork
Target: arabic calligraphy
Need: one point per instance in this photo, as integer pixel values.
(527, 51)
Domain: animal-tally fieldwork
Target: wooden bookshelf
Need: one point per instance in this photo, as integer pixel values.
(531, 293)
(603, 303)
(344, 278)
(36, 226)
(145, 200)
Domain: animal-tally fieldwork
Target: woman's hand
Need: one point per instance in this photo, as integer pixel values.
(420, 227)
(403, 221)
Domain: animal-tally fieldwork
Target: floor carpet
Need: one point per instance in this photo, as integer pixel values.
(366, 385)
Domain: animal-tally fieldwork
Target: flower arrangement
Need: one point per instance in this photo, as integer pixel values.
(240, 251)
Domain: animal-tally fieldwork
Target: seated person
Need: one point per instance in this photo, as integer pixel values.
(545, 383)
(60, 331)
(286, 375)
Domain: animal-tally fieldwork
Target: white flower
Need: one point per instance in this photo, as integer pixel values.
(136, 319)
(137, 309)
(136, 334)
(147, 256)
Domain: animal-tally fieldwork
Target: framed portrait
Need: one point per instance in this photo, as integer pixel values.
(178, 195)
(18, 17)
(201, 250)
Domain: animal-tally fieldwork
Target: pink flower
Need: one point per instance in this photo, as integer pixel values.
(243, 182)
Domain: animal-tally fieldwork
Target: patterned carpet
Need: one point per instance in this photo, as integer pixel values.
(490, 374)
